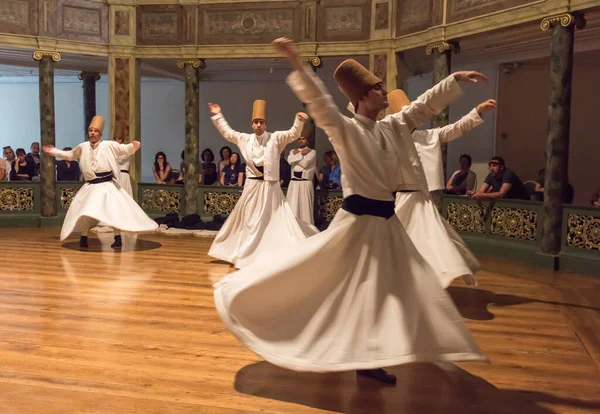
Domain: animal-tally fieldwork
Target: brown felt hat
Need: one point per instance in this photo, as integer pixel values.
(397, 100)
(354, 80)
(308, 130)
(119, 131)
(98, 123)
(259, 110)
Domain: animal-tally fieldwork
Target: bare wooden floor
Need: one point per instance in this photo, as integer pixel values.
(137, 332)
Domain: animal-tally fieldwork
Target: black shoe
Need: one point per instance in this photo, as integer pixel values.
(379, 374)
(117, 242)
(83, 241)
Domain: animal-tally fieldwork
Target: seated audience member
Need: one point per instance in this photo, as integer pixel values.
(3, 170)
(23, 168)
(161, 169)
(209, 169)
(9, 157)
(224, 152)
(538, 191)
(595, 200)
(285, 171)
(67, 170)
(232, 174)
(462, 180)
(331, 173)
(34, 155)
(501, 182)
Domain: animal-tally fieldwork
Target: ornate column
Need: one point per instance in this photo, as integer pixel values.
(124, 104)
(315, 63)
(89, 96)
(442, 63)
(47, 130)
(559, 122)
(192, 133)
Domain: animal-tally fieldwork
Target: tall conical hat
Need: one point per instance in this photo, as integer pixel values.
(397, 100)
(119, 131)
(354, 79)
(259, 110)
(98, 123)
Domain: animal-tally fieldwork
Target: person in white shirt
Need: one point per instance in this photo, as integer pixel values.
(101, 198)
(428, 142)
(261, 220)
(436, 240)
(357, 296)
(301, 191)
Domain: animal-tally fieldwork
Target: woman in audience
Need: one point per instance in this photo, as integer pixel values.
(67, 170)
(464, 179)
(209, 169)
(225, 152)
(331, 173)
(23, 168)
(161, 168)
(231, 175)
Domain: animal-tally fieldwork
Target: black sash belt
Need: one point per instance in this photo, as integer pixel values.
(298, 176)
(363, 206)
(260, 169)
(125, 171)
(103, 177)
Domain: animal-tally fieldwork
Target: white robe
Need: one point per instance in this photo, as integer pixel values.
(261, 220)
(124, 179)
(105, 202)
(301, 193)
(428, 143)
(358, 295)
(436, 240)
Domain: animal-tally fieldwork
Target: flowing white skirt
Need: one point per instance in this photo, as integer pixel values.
(260, 223)
(435, 239)
(356, 296)
(107, 203)
(124, 181)
(301, 198)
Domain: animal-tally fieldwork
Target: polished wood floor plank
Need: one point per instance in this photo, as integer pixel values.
(137, 332)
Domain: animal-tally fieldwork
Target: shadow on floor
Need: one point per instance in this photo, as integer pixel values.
(422, 388)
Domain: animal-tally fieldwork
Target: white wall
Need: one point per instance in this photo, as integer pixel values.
(20, 114)
(479, 143)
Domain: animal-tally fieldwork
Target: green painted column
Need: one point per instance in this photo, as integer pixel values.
(192, 132)
(89, 97)
(47, 130)
(559, 124)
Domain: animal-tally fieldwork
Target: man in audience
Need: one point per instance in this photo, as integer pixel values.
(462, 180)
(67, 170)
(9, 157)
(501, 182)
(34, 155)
